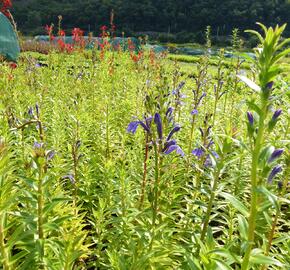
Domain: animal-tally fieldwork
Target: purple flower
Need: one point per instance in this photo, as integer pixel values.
(158, 122)
(30, 111)
(168, 144)
(78, 144)
(201, 97)
(169, 114)
(132, 127)
(274, 172)
(50, 155)
(276, 114)
(250, 118)
(176, 91)
(37, 145)
(70, 177)
(208, 161)
(194, 112)
(174, 130)
(144, 126)
(37, 109)
(276, 154)
(198, 152)
(269, 85)
(175, 148)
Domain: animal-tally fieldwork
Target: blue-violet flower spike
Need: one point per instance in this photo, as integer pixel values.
(158, 122)
(132, 127)
(276, 154)
(194, 112)
(250, 118)
(172, 148)
(175, 129)
(274, 172)
(276, 114)
(198, 152)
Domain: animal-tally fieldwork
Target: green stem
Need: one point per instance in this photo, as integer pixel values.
(155, 192)
(210, 205)
(4, 253)
(254, 184)
(107, 132)
(156, 184)
(40, 214)
(190, 141)
(144, 172)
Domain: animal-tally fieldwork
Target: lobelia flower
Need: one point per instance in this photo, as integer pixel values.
(274, 172)
(269, 85)
(70, 177)
(250, 118)
(158, 122)
(174, 130)
(78, 144)
(198, 152)
(178, 95)
(177, 90)
(50, 155)
(146, 125)
(194, 112)
(208, 161)
(30, 111)
(169, 115)
(276, 115)
(275, 155)
(37, 109)
(174, 147)
(171, 145)
(38, 145)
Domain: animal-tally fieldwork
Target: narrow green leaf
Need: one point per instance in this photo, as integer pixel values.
(236, 203)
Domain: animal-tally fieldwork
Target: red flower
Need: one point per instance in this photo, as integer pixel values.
(13, 65)
(103, 28)
(61, 33)
(69, 48)
(61, 45)
(48, 29)
(77, 34)
(6, 5)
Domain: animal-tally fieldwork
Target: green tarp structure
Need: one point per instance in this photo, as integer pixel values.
(9, 45)
(95, 42)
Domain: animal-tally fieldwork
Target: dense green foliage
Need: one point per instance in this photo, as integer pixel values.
(81, 188)
(188, 17)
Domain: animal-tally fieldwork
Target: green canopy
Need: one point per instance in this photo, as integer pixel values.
(9, 45)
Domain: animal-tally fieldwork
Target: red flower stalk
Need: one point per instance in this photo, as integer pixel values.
(49, 30)
(77, 34)
(103, 28)
(6, 5)
(61, 33)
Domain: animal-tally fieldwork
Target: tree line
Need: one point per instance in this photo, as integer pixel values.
(167, 19)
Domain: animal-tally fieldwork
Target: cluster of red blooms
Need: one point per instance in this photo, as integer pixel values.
(49, 31)
(136, 57)
(78, 38)
(78, 35)
(64, 47)
(5, 6)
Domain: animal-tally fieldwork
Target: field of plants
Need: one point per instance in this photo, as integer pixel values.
(123, 160)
